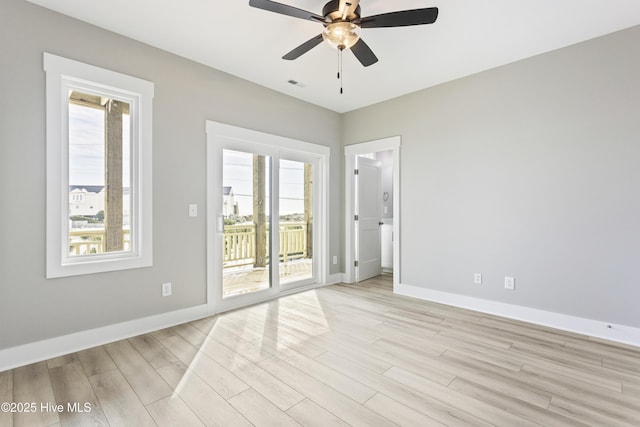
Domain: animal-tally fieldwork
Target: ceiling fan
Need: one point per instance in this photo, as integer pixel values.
(342, 23)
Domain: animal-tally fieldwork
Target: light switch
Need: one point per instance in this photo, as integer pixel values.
(193, 210)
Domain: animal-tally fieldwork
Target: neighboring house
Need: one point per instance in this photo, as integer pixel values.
(86, 200)
(229, 205)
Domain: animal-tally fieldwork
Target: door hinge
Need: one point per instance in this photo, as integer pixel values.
(355, 263)
(356, 171)
(355, 217)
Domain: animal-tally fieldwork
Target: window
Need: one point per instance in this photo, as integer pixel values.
(98, 169)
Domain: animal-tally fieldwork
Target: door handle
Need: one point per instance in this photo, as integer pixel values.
(220, 223)
(380, 223)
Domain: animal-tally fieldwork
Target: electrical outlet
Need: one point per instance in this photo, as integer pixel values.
(477, 278)
(166, 289)
(509, 283)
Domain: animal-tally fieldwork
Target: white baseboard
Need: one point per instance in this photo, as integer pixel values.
(25, 354)
(332, 279)
(592, 328)
(53, 347)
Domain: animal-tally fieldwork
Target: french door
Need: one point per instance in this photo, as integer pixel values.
(265, 199)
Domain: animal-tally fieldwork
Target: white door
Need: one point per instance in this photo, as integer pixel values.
(369, 214)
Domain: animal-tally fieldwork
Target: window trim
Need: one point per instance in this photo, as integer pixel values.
(63, 74)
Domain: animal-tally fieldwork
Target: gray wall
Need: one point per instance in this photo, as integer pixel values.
(186, 94)
(530, 170)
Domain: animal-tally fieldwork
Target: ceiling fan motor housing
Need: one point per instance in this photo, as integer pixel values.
(331, 12)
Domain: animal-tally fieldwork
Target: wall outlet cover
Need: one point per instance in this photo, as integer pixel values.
(509, 283)
(166, 289)
(477, 278)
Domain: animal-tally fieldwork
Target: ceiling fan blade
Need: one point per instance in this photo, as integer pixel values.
(284, 9)
(363, 52)
(401, 18)
(303, 48)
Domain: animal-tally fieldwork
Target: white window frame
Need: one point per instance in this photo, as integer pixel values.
(63, 74)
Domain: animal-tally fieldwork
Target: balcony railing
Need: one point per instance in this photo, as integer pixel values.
(238, 242)
(91, 241)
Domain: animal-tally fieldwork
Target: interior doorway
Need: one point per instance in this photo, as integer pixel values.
(372, 241)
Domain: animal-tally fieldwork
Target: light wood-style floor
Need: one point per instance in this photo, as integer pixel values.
(239, 281)
(340, 355)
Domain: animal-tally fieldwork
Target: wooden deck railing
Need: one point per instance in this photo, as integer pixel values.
(91, 241)
(238, 245)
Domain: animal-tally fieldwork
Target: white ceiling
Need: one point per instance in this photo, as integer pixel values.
(469, 36)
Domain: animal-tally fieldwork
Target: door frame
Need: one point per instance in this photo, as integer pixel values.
(220, 136)
(351, 152)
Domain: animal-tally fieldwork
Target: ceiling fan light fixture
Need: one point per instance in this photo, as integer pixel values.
(341, 35)
(338, 17)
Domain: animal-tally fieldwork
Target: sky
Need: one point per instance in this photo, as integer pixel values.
(86, 163)
(238, 174)
(86, 146)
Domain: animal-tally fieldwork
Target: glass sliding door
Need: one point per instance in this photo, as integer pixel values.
(296, 231)
(266, 245)
(266, 208)
(246, 217)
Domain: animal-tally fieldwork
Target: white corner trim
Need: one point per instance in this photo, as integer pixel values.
(592, 328)
(333, 279)
(53, 347)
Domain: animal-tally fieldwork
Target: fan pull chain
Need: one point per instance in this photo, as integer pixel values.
(340, 67)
